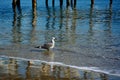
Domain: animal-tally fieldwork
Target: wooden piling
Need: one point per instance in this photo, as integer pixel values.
(75, 2)
(61, 3)
(53, 3)
(46, 2)
(34, 3)
(111, 1)
(91, 17)
(92, 1)
(16, 3)
(67, 3)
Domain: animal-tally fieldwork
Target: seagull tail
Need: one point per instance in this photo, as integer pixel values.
(37, 46)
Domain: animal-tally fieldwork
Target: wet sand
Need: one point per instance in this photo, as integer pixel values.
(18, 69)
(18, 62)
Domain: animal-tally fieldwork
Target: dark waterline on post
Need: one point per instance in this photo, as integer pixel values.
(92, 1)
(46, 2)
(71, 3)
(16, 4)
(61, 3)
(111, 1)
(67, 3)
(75, 2)
(34, 4)
(53, 3)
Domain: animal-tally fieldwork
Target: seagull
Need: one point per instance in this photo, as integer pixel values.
(48, 46)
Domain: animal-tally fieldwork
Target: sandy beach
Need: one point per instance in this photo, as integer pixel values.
(24, 69)
(86, 45)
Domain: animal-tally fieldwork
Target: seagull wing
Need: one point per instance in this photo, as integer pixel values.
(47, 45)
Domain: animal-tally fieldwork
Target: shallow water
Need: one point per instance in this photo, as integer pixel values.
(88, 36)
(12, 68)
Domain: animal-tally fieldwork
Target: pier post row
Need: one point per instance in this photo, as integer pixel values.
(71, 3)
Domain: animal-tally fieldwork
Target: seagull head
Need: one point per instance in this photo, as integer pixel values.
(53, 38)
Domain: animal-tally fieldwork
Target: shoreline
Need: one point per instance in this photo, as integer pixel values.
(50, 67)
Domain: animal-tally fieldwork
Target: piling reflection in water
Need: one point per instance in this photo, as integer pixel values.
(34, 5)
(50, 18)
(16, 21)
(66, 21)
(79, 43)
(13, 69)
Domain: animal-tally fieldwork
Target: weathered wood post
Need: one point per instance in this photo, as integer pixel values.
(53, 3)
(67, 3)
(75, 2)
(16, 3)
(92, 1)
(34, 5)
(110, 16)
(61, 3)
(46, 2)
(110, 1)
(72, 3)
(91, 18)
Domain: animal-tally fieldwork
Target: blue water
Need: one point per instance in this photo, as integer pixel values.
(85, 36)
